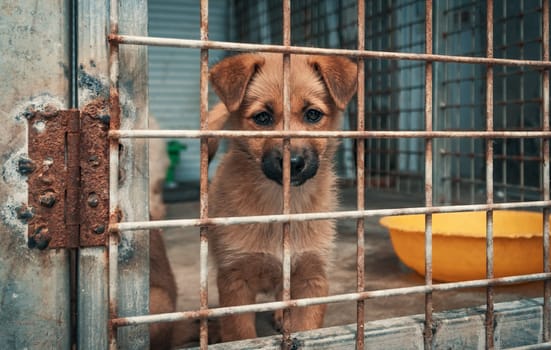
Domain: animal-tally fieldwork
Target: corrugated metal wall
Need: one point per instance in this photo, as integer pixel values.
(174, 72)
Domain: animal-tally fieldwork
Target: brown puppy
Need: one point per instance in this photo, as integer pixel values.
(162, 291)
(162, 285)
(248, 180)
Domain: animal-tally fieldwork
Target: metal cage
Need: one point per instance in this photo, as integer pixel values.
(453, 102)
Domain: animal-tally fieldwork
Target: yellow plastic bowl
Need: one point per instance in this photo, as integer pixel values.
(459, 243)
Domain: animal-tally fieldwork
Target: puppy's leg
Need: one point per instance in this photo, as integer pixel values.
(308, 280)
(160, 333)
(186, 333)
(233, 290)
(162, 289)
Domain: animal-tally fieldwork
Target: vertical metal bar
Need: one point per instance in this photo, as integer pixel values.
(522, 118)
(428, 176)
(203, 254)
(73, 220)
(545, 173)
(473, 116)
(360, 177)
(73, 103)
(132, 273)
(73, 62)
(445, 171)
(286, 241)
(93, 308)
(504, 111)
(489, 174)
(114, 111)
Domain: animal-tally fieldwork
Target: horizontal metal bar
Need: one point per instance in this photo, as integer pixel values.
(352, 214)
(325, 134)
(230, 46)
(348, 297)
(539, 346)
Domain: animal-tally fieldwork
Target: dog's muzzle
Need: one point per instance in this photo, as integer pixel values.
(304, 165)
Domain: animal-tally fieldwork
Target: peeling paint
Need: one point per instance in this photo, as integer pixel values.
(126, 249)
(13, 192)
(92, 87)
(14, 187)
(39, 102)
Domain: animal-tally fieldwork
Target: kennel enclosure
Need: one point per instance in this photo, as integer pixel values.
(456, 106)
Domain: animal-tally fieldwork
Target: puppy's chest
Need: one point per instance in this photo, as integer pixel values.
(267, 238)
(232, 199)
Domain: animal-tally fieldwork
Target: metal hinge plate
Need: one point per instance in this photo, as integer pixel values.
(68, 170)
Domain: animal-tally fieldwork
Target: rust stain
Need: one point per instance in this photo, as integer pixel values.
(114, 101)
(94, 167)
(116, 216)
(115, 38)
(48, 209)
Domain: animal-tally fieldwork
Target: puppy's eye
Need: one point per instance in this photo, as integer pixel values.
(313, 116)
(263, 119)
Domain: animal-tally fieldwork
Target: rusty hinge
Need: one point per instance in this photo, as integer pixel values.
(68, 177)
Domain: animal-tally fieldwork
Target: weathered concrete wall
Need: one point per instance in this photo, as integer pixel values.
(34, 285)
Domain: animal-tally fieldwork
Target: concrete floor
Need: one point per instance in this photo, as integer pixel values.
(382, 266)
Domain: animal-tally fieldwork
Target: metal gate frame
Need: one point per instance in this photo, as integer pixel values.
(116, 40)
(126, 258)
(47, 70)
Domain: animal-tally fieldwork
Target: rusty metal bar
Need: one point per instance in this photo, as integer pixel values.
(114, 124)
(427, 334)
(336, 215)
(223, 45)
(473, 155)
(539, 346)
(349, 297)
(204, 178)
(326, 134)
(545, 173)
(286, 342)
(360, 185)
(489, 322)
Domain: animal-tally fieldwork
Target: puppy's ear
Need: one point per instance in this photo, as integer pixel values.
(231, 76)
(339, 75)
(218, 117)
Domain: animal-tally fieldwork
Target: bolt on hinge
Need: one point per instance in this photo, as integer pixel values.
(48, 171)
(94, 165)
(67, 173)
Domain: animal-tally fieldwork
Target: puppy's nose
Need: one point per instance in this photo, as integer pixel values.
(297, 164)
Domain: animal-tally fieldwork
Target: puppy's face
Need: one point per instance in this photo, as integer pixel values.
(251, 87)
